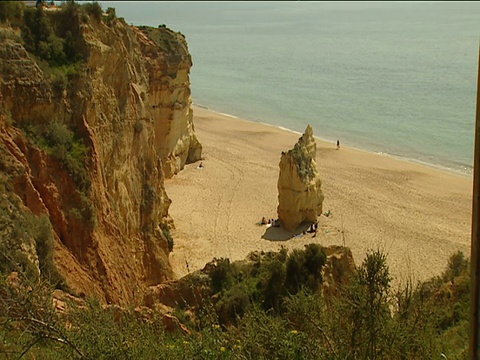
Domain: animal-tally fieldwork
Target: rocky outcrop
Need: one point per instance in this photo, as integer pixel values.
(300, 197)
(190, 290)
(338, 269)
(168, 64)
(115, 123)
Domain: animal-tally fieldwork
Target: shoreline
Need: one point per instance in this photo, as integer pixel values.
(418, 215)
(467, 172)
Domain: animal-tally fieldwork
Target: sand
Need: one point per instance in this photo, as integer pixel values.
(418, 215)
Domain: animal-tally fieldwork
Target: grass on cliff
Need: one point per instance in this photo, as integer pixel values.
(25, 239)
(61, 143)
(303, 162)
(366, 319)
(165, 38)
(55, 38)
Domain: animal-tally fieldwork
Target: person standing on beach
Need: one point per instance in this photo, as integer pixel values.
(338, 144)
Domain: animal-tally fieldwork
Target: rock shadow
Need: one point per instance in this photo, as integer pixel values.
(281, 234)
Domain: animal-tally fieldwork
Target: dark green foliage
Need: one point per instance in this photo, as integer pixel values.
(372, 310)
(168, 236)
(304, 269)
(15, 230)
(43, 234)
(166, 39)
(221, 276)
(274, 287)
(19, 229)
(29, 324)
(266, 280)
(94, 9)
(149, 196)
(12, 255)
(233, 305)
(363, 309)
(60, 142)
(310, 326)
(303, 162)
(263, 336)
(56, 37)
(110, 17)
(457, 264)
(40, 39)
(11, 10)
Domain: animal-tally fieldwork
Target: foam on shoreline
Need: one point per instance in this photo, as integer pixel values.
(462, 169)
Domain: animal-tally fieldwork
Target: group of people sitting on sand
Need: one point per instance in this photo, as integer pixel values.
(270, 222)
(312, 229)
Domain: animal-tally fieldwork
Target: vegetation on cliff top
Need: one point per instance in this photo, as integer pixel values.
(366, 319)
(303, 162)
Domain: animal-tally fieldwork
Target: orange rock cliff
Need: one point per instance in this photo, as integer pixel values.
(124, 109)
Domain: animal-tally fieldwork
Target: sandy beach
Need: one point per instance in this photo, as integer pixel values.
(416, 214)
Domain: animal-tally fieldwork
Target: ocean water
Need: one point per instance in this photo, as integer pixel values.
(397, 78)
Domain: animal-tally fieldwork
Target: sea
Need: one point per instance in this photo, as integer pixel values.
(395, 78)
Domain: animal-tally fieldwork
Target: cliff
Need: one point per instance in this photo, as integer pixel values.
(300, 196)
(94, 114)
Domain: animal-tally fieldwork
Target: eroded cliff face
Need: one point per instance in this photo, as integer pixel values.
(168, 63)
(127, 108)
(300, 196)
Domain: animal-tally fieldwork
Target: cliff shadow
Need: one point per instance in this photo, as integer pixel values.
(281, 234)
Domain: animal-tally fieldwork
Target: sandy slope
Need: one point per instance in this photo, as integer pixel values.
(418, 215)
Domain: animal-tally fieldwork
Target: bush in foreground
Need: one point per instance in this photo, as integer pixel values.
(368, 319)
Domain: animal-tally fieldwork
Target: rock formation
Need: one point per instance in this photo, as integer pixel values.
(338, 269)
(169, 97)
(300, 196)
(114, 123)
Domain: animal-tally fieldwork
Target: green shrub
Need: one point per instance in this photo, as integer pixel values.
(40, 39)
(19, 228)
(304, 268)
(110, 17)
(221, 276)
(44, 244)
(58, 141)
(94, 9)
(56, 37)
(232, 306)
(149, 196)
(275, 288)
(311, 327)
(11, 10)
(457, 264)
(168, 236)
(303, 162)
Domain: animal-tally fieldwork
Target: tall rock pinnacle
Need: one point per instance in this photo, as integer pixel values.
(300, 197)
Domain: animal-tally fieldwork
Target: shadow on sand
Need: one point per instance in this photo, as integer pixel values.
(281, 234)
